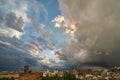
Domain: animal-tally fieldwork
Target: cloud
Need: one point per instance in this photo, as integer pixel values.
(13, 17)
(10, 25)
(18, 7)
(57, 54)
(1, 19)
(16, 51)
(35, 45)
(17, 14)
(39, 27)
(35, 48)
(16, 18)
(14, 23)
(58, 21)
(13, 59)
(96, 24)
(67, 26)
(8, 32)
(36, 9)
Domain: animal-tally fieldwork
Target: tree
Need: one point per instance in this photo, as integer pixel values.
(67, 76)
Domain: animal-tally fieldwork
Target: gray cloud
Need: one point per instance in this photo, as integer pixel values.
(13, 59)
(14, 55)
(96, 39)
(16, 14)
(14, 22)
(1, 19)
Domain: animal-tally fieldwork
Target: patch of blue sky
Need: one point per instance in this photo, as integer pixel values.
(52, 7)
(28, 31)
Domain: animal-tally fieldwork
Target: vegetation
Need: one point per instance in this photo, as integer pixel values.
(12, 78)
(68, 76)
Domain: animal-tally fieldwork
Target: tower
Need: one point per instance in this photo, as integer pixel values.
(26, 68)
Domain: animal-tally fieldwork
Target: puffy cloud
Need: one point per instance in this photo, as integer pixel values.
(14, 23)
(13, 17)
(18, 7)
(58, 21)
(96, 24)
(45, 60)
(67, 25)
(16, 14)
(10, 25)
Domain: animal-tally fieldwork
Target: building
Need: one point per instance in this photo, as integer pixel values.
(31, 76)
(26, 69)
(10, 75)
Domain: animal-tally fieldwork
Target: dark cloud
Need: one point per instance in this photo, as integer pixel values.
(1, 19)
(14, 42)
(96, 39)
(14, 22)
(13, 59)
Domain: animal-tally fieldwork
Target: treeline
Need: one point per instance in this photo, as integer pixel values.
(67, 76)
(12, 78)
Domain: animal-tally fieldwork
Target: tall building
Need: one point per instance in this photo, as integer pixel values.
(26, 69)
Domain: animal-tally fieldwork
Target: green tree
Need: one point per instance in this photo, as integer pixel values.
(12, 78)
(67, 76)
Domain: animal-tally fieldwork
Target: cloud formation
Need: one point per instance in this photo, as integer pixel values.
(15, 19)
(67, 26)
(13, 22)
(95, 41)
(17, 14)
(14, 59)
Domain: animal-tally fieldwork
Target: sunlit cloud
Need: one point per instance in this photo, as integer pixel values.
(67, 26)
(8, 32)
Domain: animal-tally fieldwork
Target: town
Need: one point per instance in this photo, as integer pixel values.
(86, 74)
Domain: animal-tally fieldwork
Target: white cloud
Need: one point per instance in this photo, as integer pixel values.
(10, 32)
(6, 43)
(67, 26)
(58, 21)
(33, 52)
(18, 7)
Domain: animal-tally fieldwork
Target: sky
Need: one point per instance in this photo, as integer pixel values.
(59, 34)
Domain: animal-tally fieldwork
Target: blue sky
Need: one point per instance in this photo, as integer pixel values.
(30, 29)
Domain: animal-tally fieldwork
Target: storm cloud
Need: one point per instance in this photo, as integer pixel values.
(95, 40)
